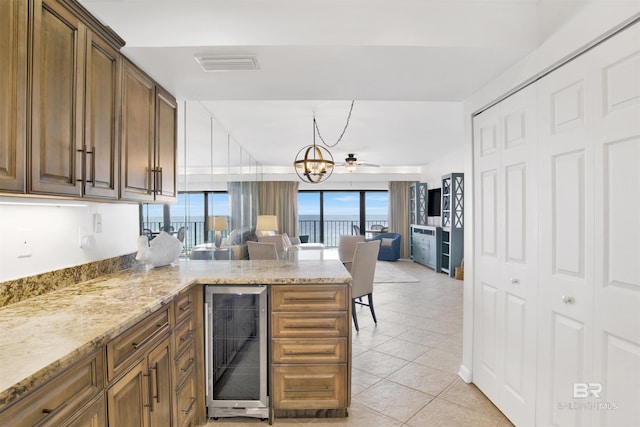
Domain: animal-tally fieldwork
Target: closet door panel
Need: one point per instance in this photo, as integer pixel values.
(566, 242)
(616, 73)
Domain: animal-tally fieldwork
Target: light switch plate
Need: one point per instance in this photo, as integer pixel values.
(24, 243)
(97, 223)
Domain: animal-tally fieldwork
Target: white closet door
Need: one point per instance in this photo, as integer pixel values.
(505, 158)
(566, 242)
(616, 73)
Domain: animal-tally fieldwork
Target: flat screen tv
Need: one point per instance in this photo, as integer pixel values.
(433, 202)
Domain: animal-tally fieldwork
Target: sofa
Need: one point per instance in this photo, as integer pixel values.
(389, 246)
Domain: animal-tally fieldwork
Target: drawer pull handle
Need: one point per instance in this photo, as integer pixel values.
(186, 368)
(307, 353)
(190, 407)
(148, 338)
(50, 413)
(186, 307)
(309, 299)
(307, 390)
(330, 326)
(186, 336)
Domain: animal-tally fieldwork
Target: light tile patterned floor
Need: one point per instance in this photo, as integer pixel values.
(405, 368)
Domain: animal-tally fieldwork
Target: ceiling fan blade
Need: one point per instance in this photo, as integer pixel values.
(372, 165)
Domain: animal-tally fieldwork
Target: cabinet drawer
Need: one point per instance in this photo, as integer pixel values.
(310, 387)
(306, 298)
(183, 335)
(185, 364)
(184, 306)
(61, 397)
(316, 350)
(187, 402)
(128, 346)
(318, 324)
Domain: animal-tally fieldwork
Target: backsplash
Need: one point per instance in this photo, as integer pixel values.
(13, 291)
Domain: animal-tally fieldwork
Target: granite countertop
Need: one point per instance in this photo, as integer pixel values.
(45, 334)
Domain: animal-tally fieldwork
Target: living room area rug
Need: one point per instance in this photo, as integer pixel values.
(387, 272)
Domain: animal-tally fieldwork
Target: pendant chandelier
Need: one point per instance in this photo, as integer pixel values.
(314, 163)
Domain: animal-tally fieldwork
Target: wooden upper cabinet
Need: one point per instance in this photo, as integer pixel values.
(149, 143)
(166, 146)
(13, 94)
(57, 97)
(138, 134)
(74, 111)
(102, 118)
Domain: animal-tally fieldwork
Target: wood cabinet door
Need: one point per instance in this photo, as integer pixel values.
(92, 416)
(128, 397)
(166, 146)
(13, 90)
(160, 385)
(57, 99)
(102, 99)
(138, 134)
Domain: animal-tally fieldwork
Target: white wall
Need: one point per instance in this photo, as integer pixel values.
(597, 19)
(52, 230)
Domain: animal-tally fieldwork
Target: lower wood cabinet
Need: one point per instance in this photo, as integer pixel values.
(310, 352)
(61, 398)
(150, 375)
(142, 397)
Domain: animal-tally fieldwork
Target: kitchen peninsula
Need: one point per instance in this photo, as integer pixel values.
(114, 330)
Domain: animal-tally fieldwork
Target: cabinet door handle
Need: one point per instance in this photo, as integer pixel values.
(567, 299)
(150, 404)
(92, 179)
(157, 390)
(160, 180)
(515, 281)
(50, 414)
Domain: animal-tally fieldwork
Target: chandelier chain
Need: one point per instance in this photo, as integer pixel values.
(315, 123)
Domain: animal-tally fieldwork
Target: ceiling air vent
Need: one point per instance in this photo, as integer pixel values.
(227, 63)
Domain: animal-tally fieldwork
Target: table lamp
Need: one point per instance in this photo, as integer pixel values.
(217, 224)
(267, 223)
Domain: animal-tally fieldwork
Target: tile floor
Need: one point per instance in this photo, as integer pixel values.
(405, 368)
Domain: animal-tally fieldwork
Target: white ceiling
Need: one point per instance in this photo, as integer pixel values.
(409, 64)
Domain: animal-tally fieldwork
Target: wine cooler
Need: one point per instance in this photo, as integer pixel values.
(236, 346)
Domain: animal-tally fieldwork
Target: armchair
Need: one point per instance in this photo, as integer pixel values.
(389, 246)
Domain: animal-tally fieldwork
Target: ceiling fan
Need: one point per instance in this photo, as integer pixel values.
(350, 163)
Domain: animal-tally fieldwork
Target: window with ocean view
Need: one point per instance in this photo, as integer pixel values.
(325, 215)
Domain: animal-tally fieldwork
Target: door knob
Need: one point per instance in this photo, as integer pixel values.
(515, 281)
(567, 299)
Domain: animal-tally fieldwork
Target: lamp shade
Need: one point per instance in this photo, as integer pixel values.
(220, 223)
(267, 223)
(217, 223)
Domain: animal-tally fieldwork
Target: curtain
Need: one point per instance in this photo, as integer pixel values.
(399, 213)
(243, 209)
(280, 198)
